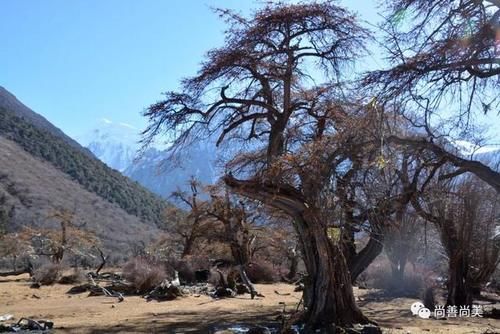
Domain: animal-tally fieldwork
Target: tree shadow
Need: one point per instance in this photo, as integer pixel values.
(186, 322)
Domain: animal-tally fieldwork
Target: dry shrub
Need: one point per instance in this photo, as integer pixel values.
(262, 272)
(188, 266)
(75, 277)
(379, 276)
(47, 274)
(143, 274)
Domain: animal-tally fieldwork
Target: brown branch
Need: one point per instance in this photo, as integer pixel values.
(477, 168)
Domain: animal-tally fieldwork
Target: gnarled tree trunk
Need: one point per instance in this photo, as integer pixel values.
(328, 295)
(358, 262)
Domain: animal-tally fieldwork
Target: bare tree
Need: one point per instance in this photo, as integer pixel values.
(191, 226)
(237, 223)
(56, 243)
(402, 242)
(264, 98)
(466, 217)
(442, 51)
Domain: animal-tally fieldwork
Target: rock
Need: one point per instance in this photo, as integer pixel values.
(371, 329)
(70, 279)
(6, 317)
(299, 287)
(494, 313)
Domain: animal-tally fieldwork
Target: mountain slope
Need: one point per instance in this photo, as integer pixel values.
(89, 172)
(31, 189)
(9, 102)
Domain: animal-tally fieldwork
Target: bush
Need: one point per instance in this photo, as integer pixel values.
(143, 274)
(261, 272)
(75, 277)
(188, 267)
(47, 274)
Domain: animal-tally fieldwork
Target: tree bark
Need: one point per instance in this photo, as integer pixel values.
(328, 295)
(459, 289)
(477, 168)
(188, 247)
(247, 282)
(358, 262)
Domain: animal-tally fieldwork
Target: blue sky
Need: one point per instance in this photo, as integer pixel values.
(78, 61)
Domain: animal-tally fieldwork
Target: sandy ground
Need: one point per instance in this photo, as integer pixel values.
(201, 314)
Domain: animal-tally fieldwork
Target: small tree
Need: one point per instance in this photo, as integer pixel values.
(465, 215)
(237, 223)
(188, 226)
(55, 244)
(402, 242)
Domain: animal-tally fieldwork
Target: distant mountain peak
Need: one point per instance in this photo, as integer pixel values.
(117, 144)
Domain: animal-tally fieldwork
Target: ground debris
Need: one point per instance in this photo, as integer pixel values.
(79, 289)
(364, 329)
(26, 324)
(165, 291)
(197, 289)
(221, 292)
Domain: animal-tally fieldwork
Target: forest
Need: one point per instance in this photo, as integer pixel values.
(343, 192)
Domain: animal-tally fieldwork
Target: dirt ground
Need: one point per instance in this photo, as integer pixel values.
(201, 314)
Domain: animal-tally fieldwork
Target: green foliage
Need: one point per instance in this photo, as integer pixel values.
(91, 173)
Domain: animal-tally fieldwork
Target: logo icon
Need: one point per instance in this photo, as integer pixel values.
(419, 309)
(415, 307)
(424, 313)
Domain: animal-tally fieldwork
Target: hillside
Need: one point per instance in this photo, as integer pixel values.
(9, 102)
(30, 189)
(89, 172)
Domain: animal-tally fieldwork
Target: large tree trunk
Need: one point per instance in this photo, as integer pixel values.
(328, 295)
(188, 247)
(459, 289)
(358, 262)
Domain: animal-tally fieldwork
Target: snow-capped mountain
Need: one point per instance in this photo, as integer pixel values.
(113, 143)
(487, 154)
(117, 145)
